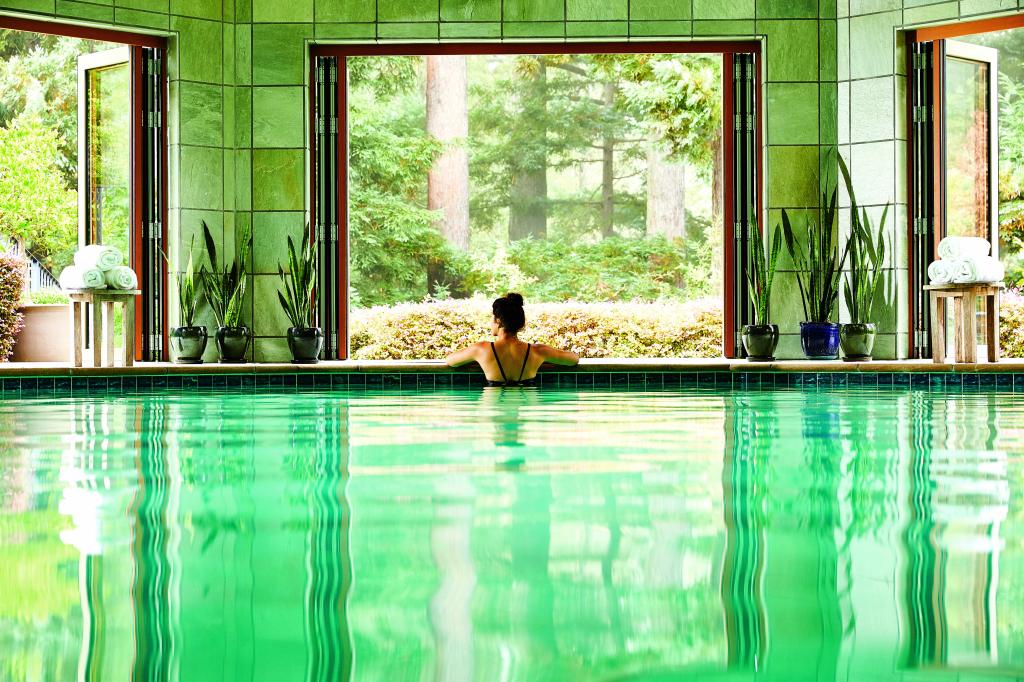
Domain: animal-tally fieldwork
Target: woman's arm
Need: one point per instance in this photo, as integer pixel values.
(558, 357)
(462, 357)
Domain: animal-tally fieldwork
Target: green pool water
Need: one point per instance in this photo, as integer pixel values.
(513, 535)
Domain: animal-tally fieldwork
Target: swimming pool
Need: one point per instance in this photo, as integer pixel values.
(512, 535)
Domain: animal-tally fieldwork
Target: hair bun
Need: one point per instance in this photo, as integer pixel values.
(514, 299)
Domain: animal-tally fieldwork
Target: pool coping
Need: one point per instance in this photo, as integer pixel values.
(586, 366)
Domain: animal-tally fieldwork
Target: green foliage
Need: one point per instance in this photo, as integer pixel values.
(818, 262)
(189, 288)
(35, 205)
(45, 297)
(1011, 324)
(1011, 176)
(762, 274)
(299, 283)
(867, 258)
(594, 330)
(12, 282)
(224, 285)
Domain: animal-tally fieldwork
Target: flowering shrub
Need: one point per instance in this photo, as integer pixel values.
(594, 330)
(12, 280)
(1011, 325)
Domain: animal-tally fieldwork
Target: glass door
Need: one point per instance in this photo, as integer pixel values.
(970, 126)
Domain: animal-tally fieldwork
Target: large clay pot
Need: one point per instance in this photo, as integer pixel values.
(857, 340)
(188, 345)
(820, 340)
(305, 344)
(232, 342)
(760, 341)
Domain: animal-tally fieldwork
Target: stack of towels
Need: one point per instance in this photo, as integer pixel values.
(965, 260)
(98, 266)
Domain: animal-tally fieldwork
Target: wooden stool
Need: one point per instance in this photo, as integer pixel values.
(965, 327)
(102, 301)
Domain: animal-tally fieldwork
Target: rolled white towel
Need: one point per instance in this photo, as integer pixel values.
(121, 277)
(963, 247)
(943, 271)
(74, 277)
(981, 269)
(100, 256)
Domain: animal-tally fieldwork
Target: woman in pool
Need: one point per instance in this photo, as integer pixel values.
(507, 361)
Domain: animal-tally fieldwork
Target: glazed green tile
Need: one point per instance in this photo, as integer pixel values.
(470, 10)
(787, 9)
(243, 54)
(792, 176)
(792, 113)
(900, 118)
(41, 6)
(843, 128)
(271, 349)
(873, 167)
(279, 53)
(534, 29)
(345, 31)
(792, 49)
(84, 10)
(827, 40)
(798, 217)
(872, 42)
(243, 180)
(872, 109)
(827, 9)
(654, 10)
(278, 178)
(202, 9)
(229, 52)
(533, 10)
(733, 27)
(785, 307)
(270, 317)
(228, 11)
(269, 238)
(828, 113)
(931, 13)
(408, 10)
(201, 181)
(199, 48)
(973, 7)
(243, 10)
(190, 231)
(162, 6)
(596, 29)
(345, 10)
(416, 31)
(900, 187)
(229, 181)
(603, 10)
(134, 17)
(199, 106)
(278, 116)
(723, 9)
(468, 29)
(173, 174)
(843, 49)
(661, 29)
(858, 7)
(281, 11)
(243, 117)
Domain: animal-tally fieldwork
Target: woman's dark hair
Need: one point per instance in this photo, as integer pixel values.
(508, 311)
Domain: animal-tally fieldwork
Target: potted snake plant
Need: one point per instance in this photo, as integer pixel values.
(225, 289)
(865, 276)
(819, 266)
(761, 338)
(304, 339)
(188, 342)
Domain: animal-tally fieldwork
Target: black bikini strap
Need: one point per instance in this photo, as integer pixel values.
(522, 369)
(500, 368)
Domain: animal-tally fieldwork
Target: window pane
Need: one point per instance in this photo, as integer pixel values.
(967, 148)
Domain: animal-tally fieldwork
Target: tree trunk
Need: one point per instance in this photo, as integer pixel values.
(666, 194)
(717, 181)
(448, 122)
(528, 194)
(608, 171)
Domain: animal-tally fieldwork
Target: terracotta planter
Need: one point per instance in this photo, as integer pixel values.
(46, 336)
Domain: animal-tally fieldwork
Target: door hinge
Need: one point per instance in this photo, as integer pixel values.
(153, 66)
(334, 339)
(922, 113)
(744, 123)
(334, 233)
(739, 230)
(334, 73)
(153, 230)
(156, 342)
(920, 60)
(320, 74)
(920, 226)
(743, 70)
(153, 119)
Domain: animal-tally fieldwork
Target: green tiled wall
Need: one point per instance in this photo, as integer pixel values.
(239, 129)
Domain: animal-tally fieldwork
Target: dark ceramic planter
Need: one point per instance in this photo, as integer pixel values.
(760, 341)
(305, 344)
(232, 342)
(188, 344)
(820, 340)
(857, 340)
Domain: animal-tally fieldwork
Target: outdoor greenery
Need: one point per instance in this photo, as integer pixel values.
(867, 258)
(819, 264)
(594, 330)
(299, 282)
(12, 280)
(223, 284)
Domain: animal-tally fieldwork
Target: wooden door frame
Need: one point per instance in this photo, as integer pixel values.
(726, 48)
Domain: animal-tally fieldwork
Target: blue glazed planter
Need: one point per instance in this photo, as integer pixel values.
(820, 340)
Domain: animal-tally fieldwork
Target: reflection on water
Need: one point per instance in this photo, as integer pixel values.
(511, 535)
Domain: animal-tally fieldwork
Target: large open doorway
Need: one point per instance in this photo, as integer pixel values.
(81, 137)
